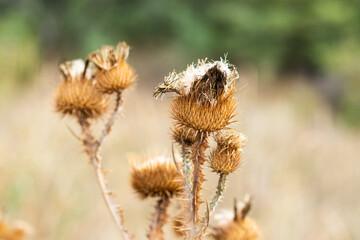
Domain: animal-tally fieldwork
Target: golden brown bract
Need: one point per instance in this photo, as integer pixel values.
(183, 135)
(77, 95)
(114, 73)
(203, 116)
(242, 229)
(227, 156)
(155, 177)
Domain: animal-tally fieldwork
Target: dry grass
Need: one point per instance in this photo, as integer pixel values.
(301, 167)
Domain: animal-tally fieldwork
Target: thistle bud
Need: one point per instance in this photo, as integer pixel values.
(78, 95)
(227, 155)
(114, 73)
(155, 177)
(236, 225)
(183, 135)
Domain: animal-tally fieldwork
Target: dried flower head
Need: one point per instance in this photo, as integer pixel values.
(205, 99)
(236, 225)
(205, 117)
(155, 177)
(18, 231)
(78, 95)
(114, 73)
(227, 155)
(183, 135)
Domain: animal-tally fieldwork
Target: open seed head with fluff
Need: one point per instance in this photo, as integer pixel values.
(205, 95)
(236, 225)
(114, 73)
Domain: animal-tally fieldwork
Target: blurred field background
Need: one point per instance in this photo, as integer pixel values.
(299, 69)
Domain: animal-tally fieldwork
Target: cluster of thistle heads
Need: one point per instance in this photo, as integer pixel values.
(88, 84)
(203, 106)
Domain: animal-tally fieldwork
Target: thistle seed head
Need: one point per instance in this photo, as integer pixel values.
(155, 177)
(227, 156)
(183, 135)
(114, 73)
(236, 225)
(78, 95)
(204, 116)
(246, 229)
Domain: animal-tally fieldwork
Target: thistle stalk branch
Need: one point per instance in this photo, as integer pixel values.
(159, 219)
(218, 194)
(92, 150)
(198, 159)
(187, 170)
(111, 121)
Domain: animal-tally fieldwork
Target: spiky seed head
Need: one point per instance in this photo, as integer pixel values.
(204, 116)
(183, 135)
(155, 177)
(114, 73)
(227, 156)
(246, 229)
(77, 95)
(236, 225)
(205, 99)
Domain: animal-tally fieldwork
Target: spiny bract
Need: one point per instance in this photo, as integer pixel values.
(227, 156)
(114, 73)
(155, 177)
(78, 95)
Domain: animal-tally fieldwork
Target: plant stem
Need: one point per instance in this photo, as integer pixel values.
(187, 170)
(91, 148)
(219, 192)
(198, 159)
(159, 219)
(111, 121)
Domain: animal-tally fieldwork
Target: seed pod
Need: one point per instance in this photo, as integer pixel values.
(183, 135)
(114, 73)
(236, 225)
(203, 116)
(78, 95)
(227, 156)
(155, 177)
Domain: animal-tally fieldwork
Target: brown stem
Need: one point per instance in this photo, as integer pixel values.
(198, 159)
(91, 148)
(110, 123)
(159, 219)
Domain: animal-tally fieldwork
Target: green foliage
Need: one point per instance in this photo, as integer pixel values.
(286, 36)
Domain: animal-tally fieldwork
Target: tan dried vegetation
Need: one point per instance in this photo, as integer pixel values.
(202, 107)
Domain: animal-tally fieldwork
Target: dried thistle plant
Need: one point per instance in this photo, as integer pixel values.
(238, 226)
(202, 107)
(85, 94)
(156, 178)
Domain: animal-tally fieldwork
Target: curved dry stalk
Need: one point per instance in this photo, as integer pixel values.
(91, 148)
(159, 219)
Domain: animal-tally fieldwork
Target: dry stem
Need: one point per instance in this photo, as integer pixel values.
(111, 121)
(159, 219)
(198, 159)
(92, 149)
(220, 190)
